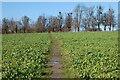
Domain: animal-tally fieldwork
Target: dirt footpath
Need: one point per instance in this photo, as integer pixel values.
(55, 60)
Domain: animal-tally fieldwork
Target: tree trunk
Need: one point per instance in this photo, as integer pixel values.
(105, 28)
(24, 30)
(110, 28)
(5, 31)
(98, 26)
(113, 28)
(16, 28)
(60, 28)
(75, 29)
(88, 27)
(78, 29)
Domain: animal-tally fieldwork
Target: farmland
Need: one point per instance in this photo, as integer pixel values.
(25, 55)
(90, 55)
(84, 54)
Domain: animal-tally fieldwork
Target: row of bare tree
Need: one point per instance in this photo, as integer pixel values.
(82, 18)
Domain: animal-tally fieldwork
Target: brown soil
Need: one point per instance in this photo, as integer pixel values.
(55, 60)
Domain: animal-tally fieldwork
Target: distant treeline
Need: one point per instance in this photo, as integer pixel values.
(82, 18)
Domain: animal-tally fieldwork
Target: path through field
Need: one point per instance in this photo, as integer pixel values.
(55, 61)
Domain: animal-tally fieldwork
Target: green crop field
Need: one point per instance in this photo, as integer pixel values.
(84, 54)
(25, 55)
(90, 54)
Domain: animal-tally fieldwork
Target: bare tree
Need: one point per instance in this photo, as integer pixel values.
(76, 19)
(49, 28)
(105, 20)
(5, 27)
(82, 18)
(51, 23)
(41, 24)
(25, 21)
(12, 26)
(56, 26)
(99, 12)
(75, 23)
(68, 21)
(114, 23)
(78, 16)
(60, 21)
(111, 18)
(84, 23)
(18, 25)
(91, 18)
(94, 23)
